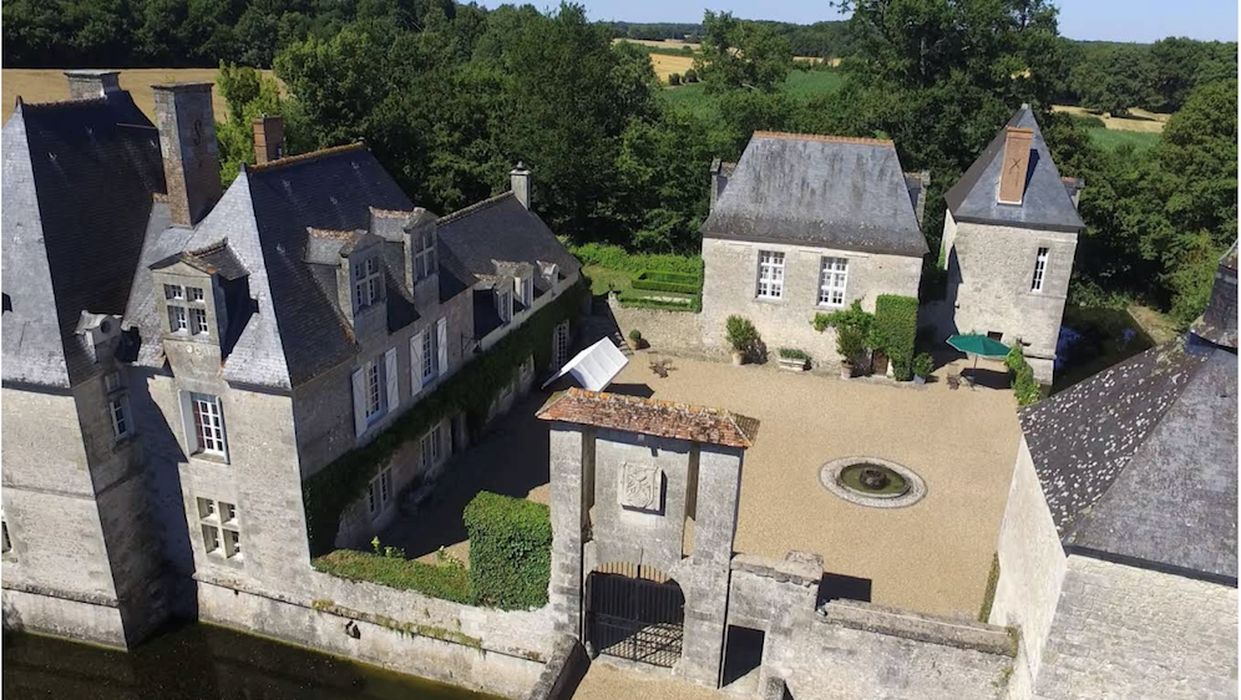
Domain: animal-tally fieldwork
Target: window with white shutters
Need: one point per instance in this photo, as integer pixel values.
(441, 346)
(390, 379)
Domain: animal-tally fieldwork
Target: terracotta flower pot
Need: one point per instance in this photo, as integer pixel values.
(738, 358)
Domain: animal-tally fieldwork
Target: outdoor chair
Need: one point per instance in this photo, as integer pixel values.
(954, 381)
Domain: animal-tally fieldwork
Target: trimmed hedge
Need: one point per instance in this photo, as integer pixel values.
(617, 258)
(678, 282)
(1025, 386)
(448, 582)
(631, 301)
(510, 551)
(470, 390)
(894, 331)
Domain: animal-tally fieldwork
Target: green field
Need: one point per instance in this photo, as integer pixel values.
(1111, 139)
(801, 84)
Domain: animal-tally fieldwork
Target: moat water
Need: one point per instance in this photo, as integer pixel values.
(201, 662)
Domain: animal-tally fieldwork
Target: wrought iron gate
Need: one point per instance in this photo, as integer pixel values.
(635, 612)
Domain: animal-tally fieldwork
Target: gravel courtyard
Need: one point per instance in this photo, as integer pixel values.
(933, 556)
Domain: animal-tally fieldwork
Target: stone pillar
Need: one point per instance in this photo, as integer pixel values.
(567, 451)
(92, 84)
(706, 600)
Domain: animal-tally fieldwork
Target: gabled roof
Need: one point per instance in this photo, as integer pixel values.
(651, 417)
(1046, 203)
(1139, 462)
(825, 191)
(595, 367)
(79, 183)
(498, 229)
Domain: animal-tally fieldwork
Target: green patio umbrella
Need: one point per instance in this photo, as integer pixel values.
(978, 346)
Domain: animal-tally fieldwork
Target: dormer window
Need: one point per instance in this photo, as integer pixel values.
(186, 309)
(504, 306)
(523, 288)
(424, 255)
(366, 283)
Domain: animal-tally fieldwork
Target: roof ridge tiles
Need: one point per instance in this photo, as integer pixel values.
(474, 208)
(825, 138)
(305, 157)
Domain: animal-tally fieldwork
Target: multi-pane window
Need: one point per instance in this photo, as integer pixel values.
(186, 309)
(429, 357)
(832, 281)
(434, 445)
(770, 274)
(424, 255)
(208, 424)
(379, 492)
(366, 281)
(374, 395)
(1040, 269)
(523, 288)
(118, 405)
(221, 531)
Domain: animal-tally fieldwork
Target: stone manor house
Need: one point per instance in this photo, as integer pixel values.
(803, 224)
(177, 359)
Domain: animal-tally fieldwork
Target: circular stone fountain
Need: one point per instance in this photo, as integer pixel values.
(871, 481)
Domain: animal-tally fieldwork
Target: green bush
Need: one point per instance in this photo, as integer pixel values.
(638, 301)
(674, 78)
(895, 330)
(448, 582)
(691, 76)
(742, 335)
(793, 354)
(853, 330)
(617, 258)
(470, 390)
(1025, 387)
(635, 335)
(677, 282)
(510, 551)
(666, 276)
(923, 365)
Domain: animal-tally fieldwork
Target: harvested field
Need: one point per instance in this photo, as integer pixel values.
(1139, 119)
(49, 85)
(666, 65)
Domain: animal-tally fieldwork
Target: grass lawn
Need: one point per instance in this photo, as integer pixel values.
(801, 85)
(1107, 336)
(603, 278)
(1111, 139)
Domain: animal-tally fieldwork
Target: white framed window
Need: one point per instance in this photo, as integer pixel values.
(177, 319)
(504, 306)
(523, 288)
(174, 291)
(434, 446)
(208, 424)
(220, 528)
(374, 395)
(366, 283)
(429, 356)
(833, 279)
(424, 255)
(198, 321)
(379, 492)
(560, 344)
(1040, 269)
(770, 274)
(195, 293)
(118, 405)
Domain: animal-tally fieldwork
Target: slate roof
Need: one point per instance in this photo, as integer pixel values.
(1046, 203)
(1139, 462)
(79, 178)
(825, 191)
(472, 239)
(1218, 323)
(651, 417)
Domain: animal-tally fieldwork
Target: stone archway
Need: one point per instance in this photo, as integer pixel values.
(635, 612)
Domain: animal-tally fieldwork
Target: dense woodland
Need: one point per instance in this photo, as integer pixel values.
(449, 96)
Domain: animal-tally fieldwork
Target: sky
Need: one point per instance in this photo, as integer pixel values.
(1111, 20)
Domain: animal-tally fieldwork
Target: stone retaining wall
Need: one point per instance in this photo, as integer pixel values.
(563, 672)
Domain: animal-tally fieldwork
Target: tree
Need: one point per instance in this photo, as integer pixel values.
(249, 95)
(1115, 80)
(737, 54)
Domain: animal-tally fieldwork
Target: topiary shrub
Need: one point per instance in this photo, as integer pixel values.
(895, 330)
(510, 551)
(742, 335)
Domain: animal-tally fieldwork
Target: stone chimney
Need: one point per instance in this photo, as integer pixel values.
(268, 139)
(92, 84)
(186, 125)
(519, 176)
(1016, 164)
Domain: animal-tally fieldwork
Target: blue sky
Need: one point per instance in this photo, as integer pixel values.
(1113, 20)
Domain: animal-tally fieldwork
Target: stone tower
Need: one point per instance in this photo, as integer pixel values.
(641, 486)
(1010, 234)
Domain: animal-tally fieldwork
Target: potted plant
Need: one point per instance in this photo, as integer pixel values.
(635, 338)
(743, 338)
(793, 359)
(851, 344)
(923, 366)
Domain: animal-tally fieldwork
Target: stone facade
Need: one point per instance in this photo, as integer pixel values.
(730, 287)
(990, 275)
(1122, 631)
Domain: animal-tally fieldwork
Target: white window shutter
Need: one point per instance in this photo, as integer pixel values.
(219, 409)
(187, 423)
(415, 364)
(359, 402)
(394, 390)
(441, 344)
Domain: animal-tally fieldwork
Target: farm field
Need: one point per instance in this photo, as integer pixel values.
(1111, 139)
(49, 85)
(668, 57)
(1141, 120)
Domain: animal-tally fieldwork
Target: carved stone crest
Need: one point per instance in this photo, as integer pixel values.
(641, 486)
